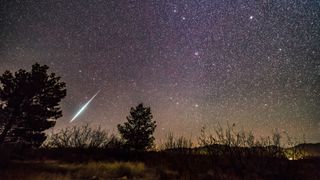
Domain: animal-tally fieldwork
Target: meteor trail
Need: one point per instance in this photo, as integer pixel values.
(84, 107)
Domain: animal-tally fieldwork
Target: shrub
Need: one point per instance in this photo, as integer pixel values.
(173, 143)
(83, 137)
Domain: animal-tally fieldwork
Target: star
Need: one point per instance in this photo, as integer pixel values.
(231, 62)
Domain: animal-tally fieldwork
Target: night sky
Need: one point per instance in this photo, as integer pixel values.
(195, 62)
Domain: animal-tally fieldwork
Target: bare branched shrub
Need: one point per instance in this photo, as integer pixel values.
(82, 137)
(114, 142)
(236, 147)
(173, 143)
(239, 143)
(222, 139)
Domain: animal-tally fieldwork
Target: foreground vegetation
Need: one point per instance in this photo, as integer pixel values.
(62, 170)
(87, 153)
(110, 164)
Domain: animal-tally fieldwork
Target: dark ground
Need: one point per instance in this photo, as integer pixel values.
(120, 164)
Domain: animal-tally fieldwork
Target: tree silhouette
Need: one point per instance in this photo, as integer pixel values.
(138, 131)
(29, 104)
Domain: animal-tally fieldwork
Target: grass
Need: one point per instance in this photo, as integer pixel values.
(160, 165)
(91, 170)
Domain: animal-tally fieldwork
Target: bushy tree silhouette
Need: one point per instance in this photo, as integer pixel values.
(29, 104)
(138, 131)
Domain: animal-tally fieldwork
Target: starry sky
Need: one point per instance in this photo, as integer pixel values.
(195, 62)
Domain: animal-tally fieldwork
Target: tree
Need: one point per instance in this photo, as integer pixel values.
(29, 105)
(138, 131)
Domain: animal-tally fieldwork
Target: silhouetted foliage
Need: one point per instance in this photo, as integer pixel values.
(83, 137)
(29, 105)
(138, 131)
(177, 144)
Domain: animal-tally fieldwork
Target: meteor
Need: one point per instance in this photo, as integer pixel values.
(84, 107)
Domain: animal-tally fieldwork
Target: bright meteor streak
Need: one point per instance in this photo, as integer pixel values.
(84, 107)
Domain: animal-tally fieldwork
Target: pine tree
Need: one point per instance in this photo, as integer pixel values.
(29, 105)
(138, 131)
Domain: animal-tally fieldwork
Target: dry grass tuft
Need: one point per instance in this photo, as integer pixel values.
(92, 170)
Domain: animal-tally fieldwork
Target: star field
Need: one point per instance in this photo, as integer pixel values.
(196, 63)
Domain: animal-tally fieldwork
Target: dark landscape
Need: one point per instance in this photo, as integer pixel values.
(180, 163)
